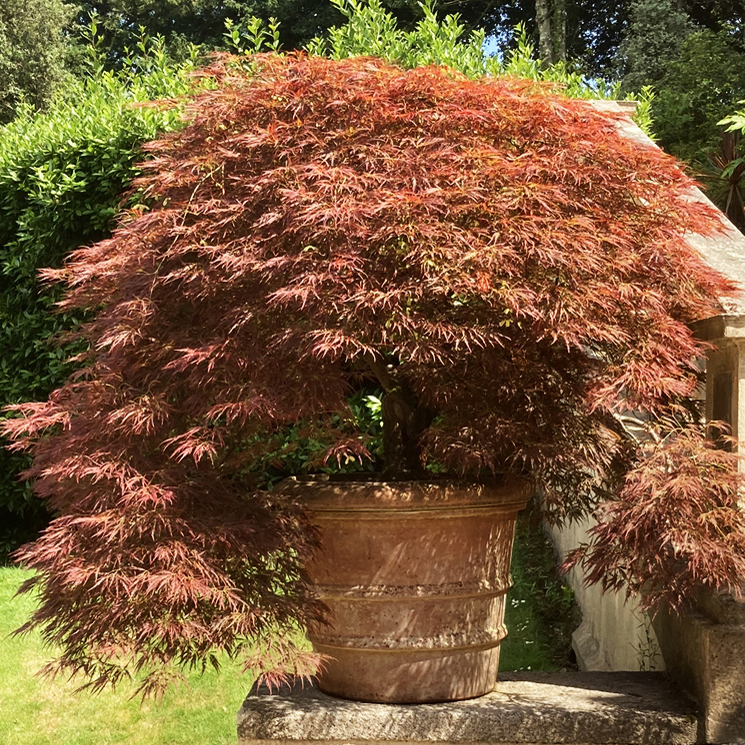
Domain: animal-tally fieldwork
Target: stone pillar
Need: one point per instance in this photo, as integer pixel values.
(704, 649)
(725, 371)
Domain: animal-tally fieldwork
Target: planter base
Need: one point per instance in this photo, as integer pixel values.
(409, 676)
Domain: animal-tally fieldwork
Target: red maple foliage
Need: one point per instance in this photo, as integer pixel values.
(507, 266)
(674, 528)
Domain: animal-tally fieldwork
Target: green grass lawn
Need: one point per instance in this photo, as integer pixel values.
(39, 712)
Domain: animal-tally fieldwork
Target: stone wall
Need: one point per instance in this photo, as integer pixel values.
(614, 634)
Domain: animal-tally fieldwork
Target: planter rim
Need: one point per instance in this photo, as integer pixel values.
(324, 494)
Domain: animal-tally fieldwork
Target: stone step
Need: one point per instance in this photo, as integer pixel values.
(529, 708)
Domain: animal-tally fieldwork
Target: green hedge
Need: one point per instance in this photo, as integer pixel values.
(62, 174)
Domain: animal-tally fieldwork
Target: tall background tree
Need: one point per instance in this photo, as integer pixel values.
(654, 35)
(32, 53)
(551, 19)
(698, 88)
(692, 54)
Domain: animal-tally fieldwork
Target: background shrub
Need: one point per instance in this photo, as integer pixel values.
(32, 52)
(62, 176)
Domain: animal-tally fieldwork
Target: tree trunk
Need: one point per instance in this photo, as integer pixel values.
(559, 30)
(551, 19)
(403, 424)
(543, 21)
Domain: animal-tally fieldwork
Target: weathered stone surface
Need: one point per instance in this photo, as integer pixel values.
(708, 658)
(571, 708)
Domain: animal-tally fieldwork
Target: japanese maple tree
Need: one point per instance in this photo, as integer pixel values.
(510, 270)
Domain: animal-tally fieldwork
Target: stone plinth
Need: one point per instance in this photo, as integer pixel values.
(537, 708)
(707, 653)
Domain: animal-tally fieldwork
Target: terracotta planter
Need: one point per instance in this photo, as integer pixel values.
(415, 576)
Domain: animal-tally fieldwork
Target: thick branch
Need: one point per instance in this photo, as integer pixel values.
(404, 421)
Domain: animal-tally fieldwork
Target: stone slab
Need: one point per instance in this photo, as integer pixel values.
(525, 708)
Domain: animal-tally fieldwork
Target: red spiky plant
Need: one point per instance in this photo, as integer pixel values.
(507, 267)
